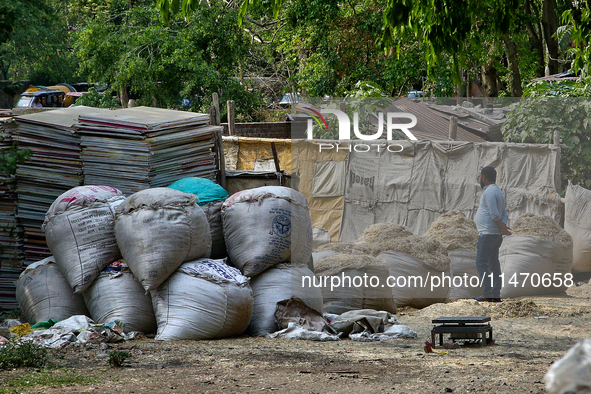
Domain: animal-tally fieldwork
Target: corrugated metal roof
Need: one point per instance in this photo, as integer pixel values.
(430, 125)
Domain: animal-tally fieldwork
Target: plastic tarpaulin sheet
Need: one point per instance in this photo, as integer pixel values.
(414, 187)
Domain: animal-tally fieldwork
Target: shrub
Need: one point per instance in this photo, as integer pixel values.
(16, 355)
(117, 358)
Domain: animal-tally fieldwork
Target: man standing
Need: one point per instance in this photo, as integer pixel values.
(491, 222)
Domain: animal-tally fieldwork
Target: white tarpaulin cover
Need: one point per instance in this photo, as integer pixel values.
(414, 187)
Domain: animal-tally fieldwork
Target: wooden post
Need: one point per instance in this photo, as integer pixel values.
(276, 160)
(222, 159)
(453, 127)
(556, 141)
(212, 116)
(216, 105)
(231, 118)
(275, 157)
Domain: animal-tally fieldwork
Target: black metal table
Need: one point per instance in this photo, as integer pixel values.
(465, 329)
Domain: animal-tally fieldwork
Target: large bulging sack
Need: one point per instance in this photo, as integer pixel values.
(79, 232)
(415, 283)
(211, 196)
(213, 213)
(276, 284)
(117, 295)
(267, 226)
(352, 282)
(43, 293)
(203, 299)
(577, 222)
(159, 229)
(540, 259)
(463, 265)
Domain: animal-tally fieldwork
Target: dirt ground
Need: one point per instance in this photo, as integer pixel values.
(525, 348)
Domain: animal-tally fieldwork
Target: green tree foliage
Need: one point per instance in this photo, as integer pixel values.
(554, 106)
(132, 50)
(95, 99)
(327, 47)
(496, 41)
(37, 46)
(9, 158)
(578, 20)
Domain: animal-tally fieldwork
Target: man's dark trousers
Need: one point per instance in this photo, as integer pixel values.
(487, 262)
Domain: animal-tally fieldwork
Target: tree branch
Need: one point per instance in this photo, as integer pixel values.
(263, 24)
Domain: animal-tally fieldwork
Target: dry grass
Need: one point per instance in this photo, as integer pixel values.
(345, 248)
(426, 249)
(454, 231)
(383, 232)
(583, 291)
(541, 226)
(511, 308)
(336, 264)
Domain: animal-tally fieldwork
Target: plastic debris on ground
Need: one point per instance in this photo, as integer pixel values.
(572, 373)
(364, 325)
(45, 324)
(363, 320)
(295, 310)
(396, 331)
(294, 331)
(21, 329)
(77, 329)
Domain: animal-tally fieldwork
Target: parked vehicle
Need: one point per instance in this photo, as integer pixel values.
(47, 96)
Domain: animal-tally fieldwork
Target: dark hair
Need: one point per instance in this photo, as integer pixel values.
(489, 173)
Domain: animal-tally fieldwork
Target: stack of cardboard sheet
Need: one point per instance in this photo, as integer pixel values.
(53, 168)
(11, 233)
(143, 147)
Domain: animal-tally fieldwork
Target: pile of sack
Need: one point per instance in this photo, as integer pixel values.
(458, 234)
(536, 258)
(268, 234)
(146, 260)
(577, 222)
(384, 250)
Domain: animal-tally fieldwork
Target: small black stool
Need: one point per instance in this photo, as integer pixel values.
(465, 329)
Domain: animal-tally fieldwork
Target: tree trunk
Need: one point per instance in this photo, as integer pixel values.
(489, 73)
(513, 57)
(489, 80)
(535, 38)
(549, 25)
(4, 69)
(124, 96)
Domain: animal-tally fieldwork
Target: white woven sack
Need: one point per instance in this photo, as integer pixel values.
(526, 260)
(577, 222)
(463, 265)
(345, 298)
(159, 229)
(267, 226)
(203, 299)
(213, 213)
(117, 295)
(413, 283)
(276, 284)
(43, 293)
(79, 232)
